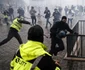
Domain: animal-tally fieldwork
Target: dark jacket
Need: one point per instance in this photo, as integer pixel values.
(47, 63)
(47, 13)
(56, 16)
(59, 26)
(11, 10)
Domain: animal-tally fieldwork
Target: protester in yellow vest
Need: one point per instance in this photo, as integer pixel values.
(14, 29)
(32, 50)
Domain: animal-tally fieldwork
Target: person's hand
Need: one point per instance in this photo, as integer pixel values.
(57, 62)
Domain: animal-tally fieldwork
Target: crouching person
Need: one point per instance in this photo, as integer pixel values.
(34, 49)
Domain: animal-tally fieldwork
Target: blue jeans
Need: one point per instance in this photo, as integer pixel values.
(47, 21)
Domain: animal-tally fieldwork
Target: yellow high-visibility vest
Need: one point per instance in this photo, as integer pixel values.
(29, 51)
(16, 24)
(34, 48)
(19, 64)
(57, 68)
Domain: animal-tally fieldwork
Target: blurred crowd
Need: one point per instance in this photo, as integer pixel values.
(8, 13)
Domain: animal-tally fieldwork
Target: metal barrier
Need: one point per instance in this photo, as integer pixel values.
(74, 42)
(76, 45)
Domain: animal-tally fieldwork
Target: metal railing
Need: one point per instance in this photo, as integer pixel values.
(74, 42)
(76, 47)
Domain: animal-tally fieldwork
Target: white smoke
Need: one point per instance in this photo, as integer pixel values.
(55, 2)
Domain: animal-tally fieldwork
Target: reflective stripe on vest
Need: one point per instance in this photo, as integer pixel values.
(20, 64)
(16, 24)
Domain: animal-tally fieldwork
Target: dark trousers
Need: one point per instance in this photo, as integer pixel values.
(12, 33)
(33, 20)
(56, 45)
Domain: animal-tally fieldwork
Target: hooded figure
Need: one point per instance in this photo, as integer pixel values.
(36, 33)
(30, 51)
